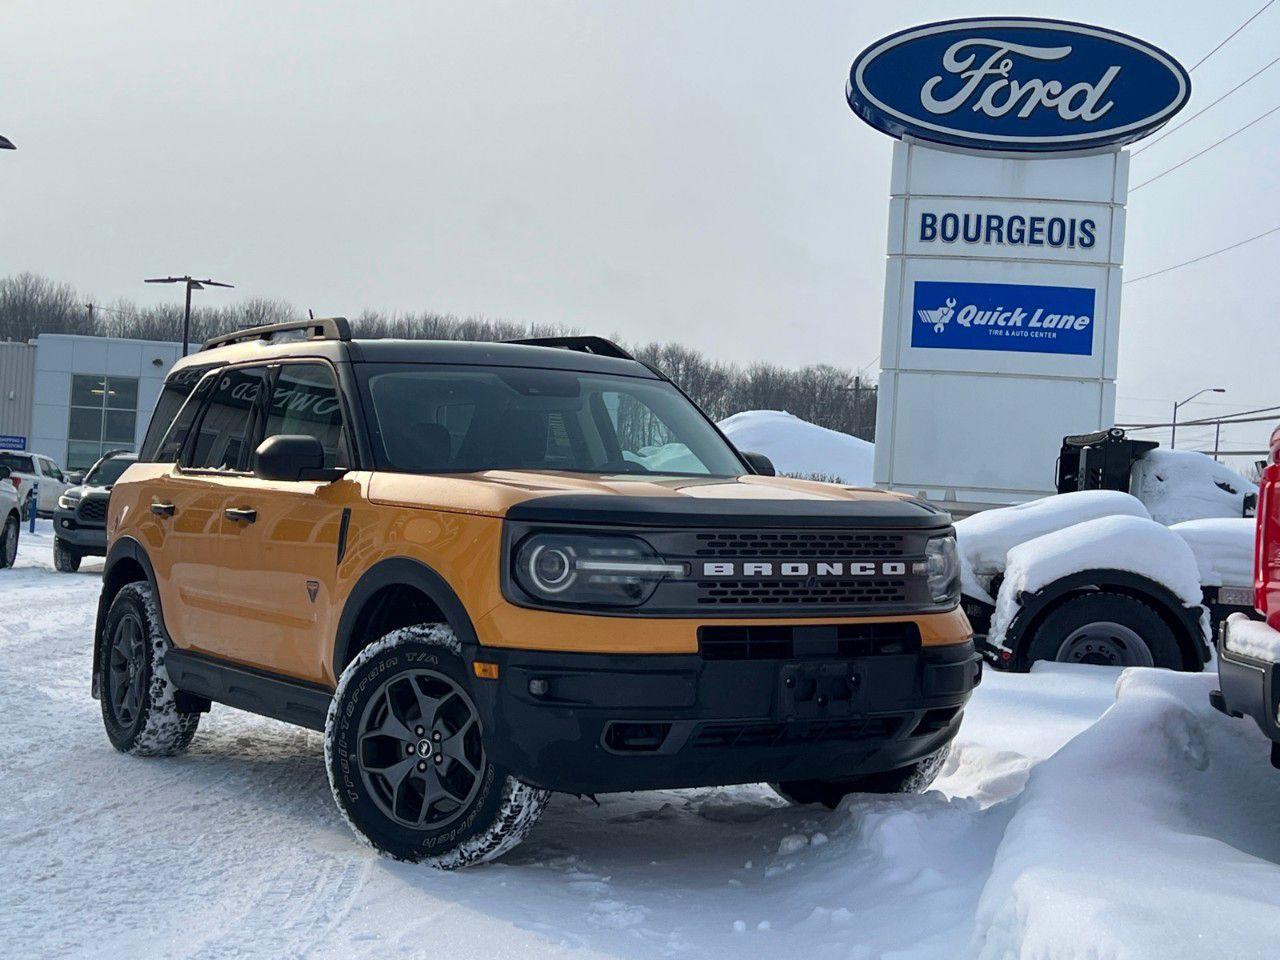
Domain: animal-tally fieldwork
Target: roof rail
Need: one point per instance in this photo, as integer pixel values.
(322, 328)
(595, 345)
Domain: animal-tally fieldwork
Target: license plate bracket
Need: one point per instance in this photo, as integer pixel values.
(819, 690)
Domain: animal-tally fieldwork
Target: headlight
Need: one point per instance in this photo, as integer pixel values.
(942, 564)
(67, 502)
(614, 571)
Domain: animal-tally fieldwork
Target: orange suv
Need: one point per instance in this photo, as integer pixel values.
(491, 571)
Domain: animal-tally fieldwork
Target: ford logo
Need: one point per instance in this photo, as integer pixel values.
(1016, 84)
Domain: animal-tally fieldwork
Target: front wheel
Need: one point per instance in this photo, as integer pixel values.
(66, 558)
(405, 751)
(9, 542)
(913, 778)
(1106, 629)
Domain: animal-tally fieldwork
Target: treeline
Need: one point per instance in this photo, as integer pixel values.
(829, 396)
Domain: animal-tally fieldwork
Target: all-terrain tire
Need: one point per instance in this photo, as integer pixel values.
(9, 541)
(1143, 637)
(66, 558)
(395, 787)
(913, 778)
(139, 708)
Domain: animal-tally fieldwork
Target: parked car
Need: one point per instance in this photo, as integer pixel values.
(1249, 649)
(34, 470)
(456, 561)
(80, 521)
(1083, 577)
(10, 519)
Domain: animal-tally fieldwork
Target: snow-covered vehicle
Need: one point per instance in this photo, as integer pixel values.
(10, 518)
(1082, 577)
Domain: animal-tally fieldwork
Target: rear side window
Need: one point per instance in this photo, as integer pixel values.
(157, 447)
(305, 401)
(16, 463)
(225, 426)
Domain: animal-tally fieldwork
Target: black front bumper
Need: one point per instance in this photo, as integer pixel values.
(1248, 688)
(601, 723)
(87, 538)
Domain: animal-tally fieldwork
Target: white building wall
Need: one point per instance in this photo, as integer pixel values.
(61, 356)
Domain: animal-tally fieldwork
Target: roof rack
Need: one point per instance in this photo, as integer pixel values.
(595, 345)
(322, 328)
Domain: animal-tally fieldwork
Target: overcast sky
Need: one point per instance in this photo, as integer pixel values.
(680, 171)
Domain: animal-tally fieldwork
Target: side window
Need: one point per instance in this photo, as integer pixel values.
(51, 470)
(305, 401)
(224, 430)
(176, 390)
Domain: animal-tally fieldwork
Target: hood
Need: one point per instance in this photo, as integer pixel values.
(652, 500)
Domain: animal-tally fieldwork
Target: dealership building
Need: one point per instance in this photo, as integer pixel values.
(74, 397)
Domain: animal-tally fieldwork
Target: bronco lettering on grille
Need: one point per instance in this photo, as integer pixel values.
(805, 568)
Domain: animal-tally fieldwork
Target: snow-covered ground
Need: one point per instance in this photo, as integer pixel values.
(1070, 822)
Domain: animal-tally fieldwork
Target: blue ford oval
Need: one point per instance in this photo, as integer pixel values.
(1016, 84)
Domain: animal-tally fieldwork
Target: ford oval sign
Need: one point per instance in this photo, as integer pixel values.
(1016, 84)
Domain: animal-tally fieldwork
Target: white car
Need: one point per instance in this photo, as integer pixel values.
(10, 519)
(32, 469)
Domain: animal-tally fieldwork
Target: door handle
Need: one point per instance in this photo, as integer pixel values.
(162, 509)
(241, 514)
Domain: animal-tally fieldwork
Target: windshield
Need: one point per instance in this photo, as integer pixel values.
(433, 419)
(106, 472)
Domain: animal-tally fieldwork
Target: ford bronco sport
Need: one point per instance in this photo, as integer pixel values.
(491, 571)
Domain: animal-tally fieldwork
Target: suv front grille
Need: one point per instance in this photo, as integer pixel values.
(92, 510)
(797, 643)
(808, 592)
(767, 544)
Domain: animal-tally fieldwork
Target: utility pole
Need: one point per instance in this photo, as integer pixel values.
(1217, 435)
(192, 284)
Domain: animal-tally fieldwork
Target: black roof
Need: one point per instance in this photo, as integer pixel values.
(492, 354)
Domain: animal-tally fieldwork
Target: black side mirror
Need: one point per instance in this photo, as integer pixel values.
(759, 463)
(292, 457)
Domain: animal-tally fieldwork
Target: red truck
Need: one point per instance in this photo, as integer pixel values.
(1249, 650)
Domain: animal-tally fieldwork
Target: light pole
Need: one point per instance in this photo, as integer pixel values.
(1173, 430)
(192, 284)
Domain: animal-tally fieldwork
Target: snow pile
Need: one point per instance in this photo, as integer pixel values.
(1253, 638)
(1179, 485)
(1133, 544)
(1223, 549)
(1147, 836)
(986, 538)
(798, 447)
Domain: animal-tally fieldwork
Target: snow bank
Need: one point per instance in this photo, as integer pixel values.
(1223, 549)
(1253, 638)
(1133, 544)
(1146, 836)
(797, 446)
(1179, 485)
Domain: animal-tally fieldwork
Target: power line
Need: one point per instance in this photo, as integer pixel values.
(1204, 256)
(1258, 73)
(1231, 35)
(1216, 143)
(1205, 421)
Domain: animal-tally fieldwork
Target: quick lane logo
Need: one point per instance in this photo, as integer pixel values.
(1018, 317)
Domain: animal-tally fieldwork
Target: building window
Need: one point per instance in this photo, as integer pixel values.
(104, 412)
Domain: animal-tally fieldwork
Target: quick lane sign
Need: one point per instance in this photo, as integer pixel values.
(1020, 317)
(1016, 83)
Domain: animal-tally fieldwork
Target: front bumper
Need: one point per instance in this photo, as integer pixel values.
(601, 723)
(87, 538)
(1248, 686)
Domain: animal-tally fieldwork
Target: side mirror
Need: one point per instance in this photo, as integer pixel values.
(75, 478)
(5, 473)
(292, 457)
(759, 463)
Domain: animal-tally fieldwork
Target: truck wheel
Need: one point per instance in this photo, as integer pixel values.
(138, 699)
(9, 542)
(913, 778)
(1111, 629)
(405, 751)
(66, 558)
